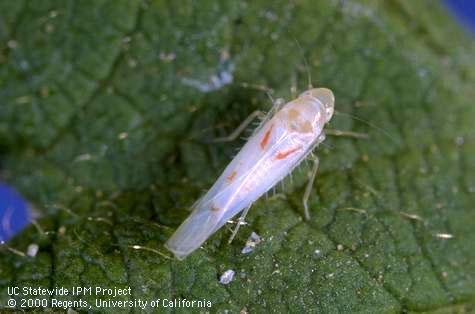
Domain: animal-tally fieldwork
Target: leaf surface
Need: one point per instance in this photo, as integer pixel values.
(107, 109)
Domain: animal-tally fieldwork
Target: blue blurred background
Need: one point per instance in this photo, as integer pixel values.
(464, 12)
(15, 214)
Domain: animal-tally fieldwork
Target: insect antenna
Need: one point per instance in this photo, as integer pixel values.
(307, 66)
(383, 131)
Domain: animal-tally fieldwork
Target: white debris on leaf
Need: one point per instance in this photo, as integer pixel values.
(214, 82)
(251, 243)
(32, 250)
(222, 76)
(444, 235)
(227, 277)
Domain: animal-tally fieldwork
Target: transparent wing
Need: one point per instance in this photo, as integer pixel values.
(205, 218)
(253, 161)
(198, 227)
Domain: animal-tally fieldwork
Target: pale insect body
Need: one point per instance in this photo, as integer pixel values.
(270, 154)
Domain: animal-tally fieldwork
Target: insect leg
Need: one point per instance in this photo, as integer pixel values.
(277, 105)
(346, 133)
(308, 188)
(231, 137)
(239, 223)
(261, 88)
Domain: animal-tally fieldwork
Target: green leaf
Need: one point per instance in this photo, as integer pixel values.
(106, 112)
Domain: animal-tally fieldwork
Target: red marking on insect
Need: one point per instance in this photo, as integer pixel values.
(285, 154)
(214, 208)
(231, 177)
(265, 139)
